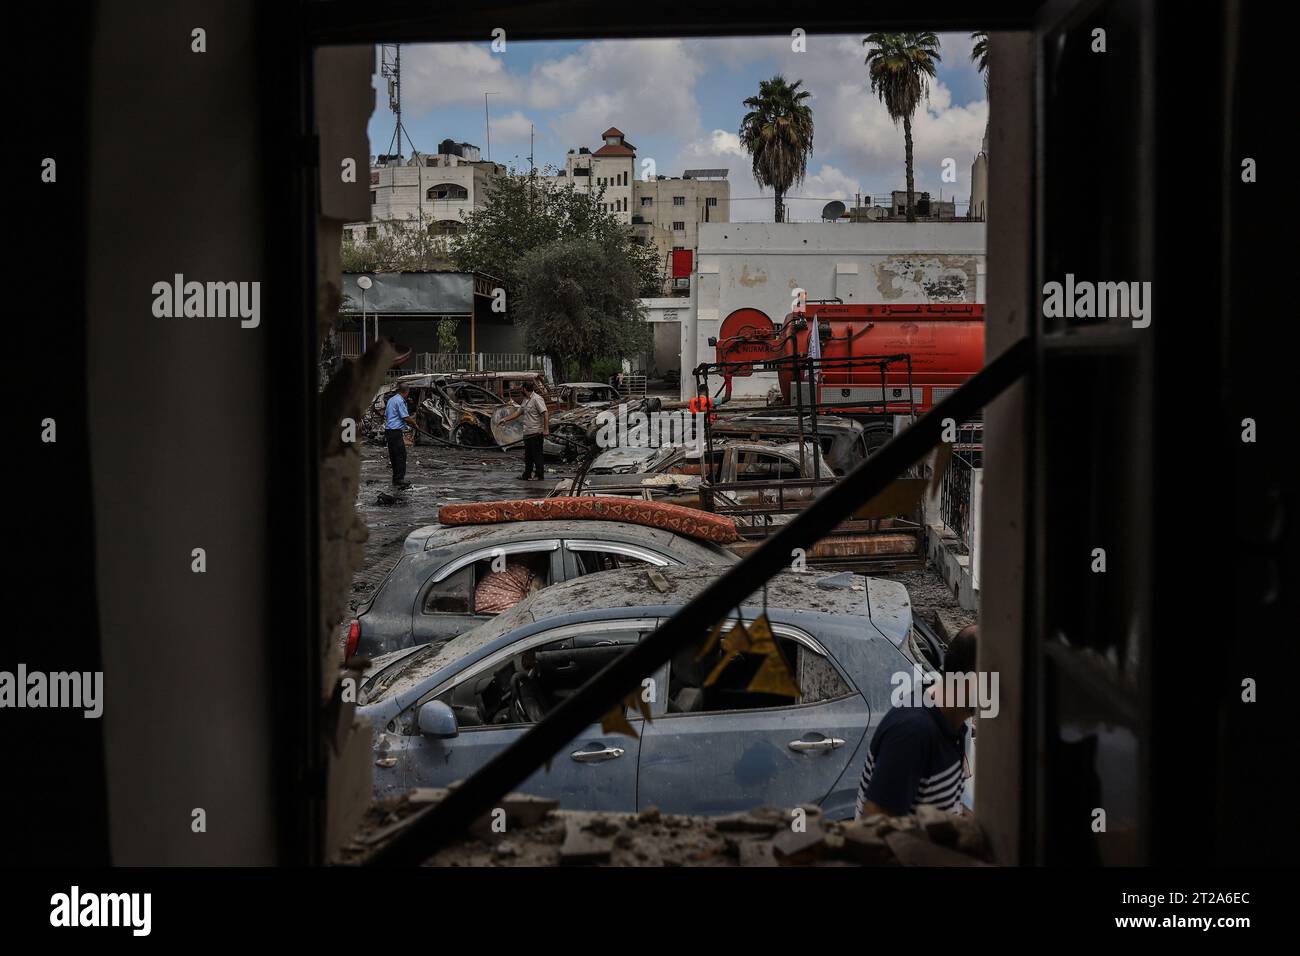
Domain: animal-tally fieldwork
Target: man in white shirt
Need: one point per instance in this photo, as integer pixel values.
(537, 423)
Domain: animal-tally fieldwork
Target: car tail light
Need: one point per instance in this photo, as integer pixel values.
(354, 636)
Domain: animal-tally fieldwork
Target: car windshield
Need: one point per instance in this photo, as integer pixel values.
(659, 457)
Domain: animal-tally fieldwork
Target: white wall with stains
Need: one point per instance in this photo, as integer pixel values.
(759, 265)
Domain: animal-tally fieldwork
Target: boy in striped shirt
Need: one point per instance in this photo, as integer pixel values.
(917, 754)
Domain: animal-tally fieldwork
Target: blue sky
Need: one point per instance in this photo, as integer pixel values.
(679, 102)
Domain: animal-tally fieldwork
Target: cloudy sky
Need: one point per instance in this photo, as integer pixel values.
(680, 103)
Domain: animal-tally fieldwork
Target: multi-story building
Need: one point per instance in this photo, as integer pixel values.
(668, 212)
(435, 189)
(663, 211)
(611, 168)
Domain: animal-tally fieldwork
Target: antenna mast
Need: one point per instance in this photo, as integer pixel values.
(390, 68)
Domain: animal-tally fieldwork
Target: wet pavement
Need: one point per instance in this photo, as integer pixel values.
(441, 475)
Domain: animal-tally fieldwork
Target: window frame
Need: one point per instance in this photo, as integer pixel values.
(494, 660)
(799, 636)
(636, 551)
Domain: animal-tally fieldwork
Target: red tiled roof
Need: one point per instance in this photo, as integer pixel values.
(612, 131)
(624, 150)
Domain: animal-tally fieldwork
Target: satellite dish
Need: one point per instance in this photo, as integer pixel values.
(832, 211)
(365, 282)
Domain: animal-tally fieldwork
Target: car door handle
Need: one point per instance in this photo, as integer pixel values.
(826, 743)
(596, 756)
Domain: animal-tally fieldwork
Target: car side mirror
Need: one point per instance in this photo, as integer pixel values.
(436, 719)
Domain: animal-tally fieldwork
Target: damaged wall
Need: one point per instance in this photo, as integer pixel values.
(344, 100)
(757, 265)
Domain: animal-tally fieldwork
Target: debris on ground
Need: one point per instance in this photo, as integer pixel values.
(533, 831)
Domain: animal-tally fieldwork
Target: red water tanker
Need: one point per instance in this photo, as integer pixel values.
(944, 345)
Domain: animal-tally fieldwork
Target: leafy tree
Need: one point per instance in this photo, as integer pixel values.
(778, 133)
(901, 66)
(402, 246)
(447, 340)
(525, 213)
(578, 299)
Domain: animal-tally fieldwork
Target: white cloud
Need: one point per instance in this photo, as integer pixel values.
(652, 88)
(513, 127)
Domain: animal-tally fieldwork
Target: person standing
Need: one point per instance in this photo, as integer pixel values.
(537, 425)
(396, 417)
(702, 403)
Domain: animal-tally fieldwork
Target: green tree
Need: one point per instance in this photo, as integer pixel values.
(401, 246)
(901, 66)
(579, 299)
(447, 340)
(525, 213)
(778, 133)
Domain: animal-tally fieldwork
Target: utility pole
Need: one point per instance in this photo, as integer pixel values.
(487, 121)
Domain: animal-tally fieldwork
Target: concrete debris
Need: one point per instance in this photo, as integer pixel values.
(914, 851)
(537, 833)
(582, 847)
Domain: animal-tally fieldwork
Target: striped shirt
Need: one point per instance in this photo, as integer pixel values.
(915, 757)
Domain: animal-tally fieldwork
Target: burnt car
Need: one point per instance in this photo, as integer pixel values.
(844, 441)
(575, 394)
(421, 386)
(727, 462)
(460, 412)
(576, 409)
(453, 577)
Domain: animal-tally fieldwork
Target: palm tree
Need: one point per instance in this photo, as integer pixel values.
(901, 66)
(979, 54)
(778, 132)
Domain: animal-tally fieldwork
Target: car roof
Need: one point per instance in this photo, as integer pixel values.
(451, 535)
(631, 588)
(630, 592)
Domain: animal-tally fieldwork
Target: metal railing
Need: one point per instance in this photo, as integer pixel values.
(474, 361)
(956, 500)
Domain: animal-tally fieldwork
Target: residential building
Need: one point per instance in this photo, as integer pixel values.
(610, 168)
(663, 211)
(668, 213)
(436, 189)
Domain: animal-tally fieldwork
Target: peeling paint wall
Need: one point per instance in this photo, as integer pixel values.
(759, 265)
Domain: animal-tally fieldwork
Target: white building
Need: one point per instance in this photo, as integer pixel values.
(436, 189)
(760, 265)
(663, 211)
(611, 167)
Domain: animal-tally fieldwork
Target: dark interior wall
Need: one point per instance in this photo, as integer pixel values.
(178, 443)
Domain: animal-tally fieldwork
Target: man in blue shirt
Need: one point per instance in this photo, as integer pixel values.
(396, 416)
(918, 753)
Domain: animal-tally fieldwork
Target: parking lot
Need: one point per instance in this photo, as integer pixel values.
(441, 475)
